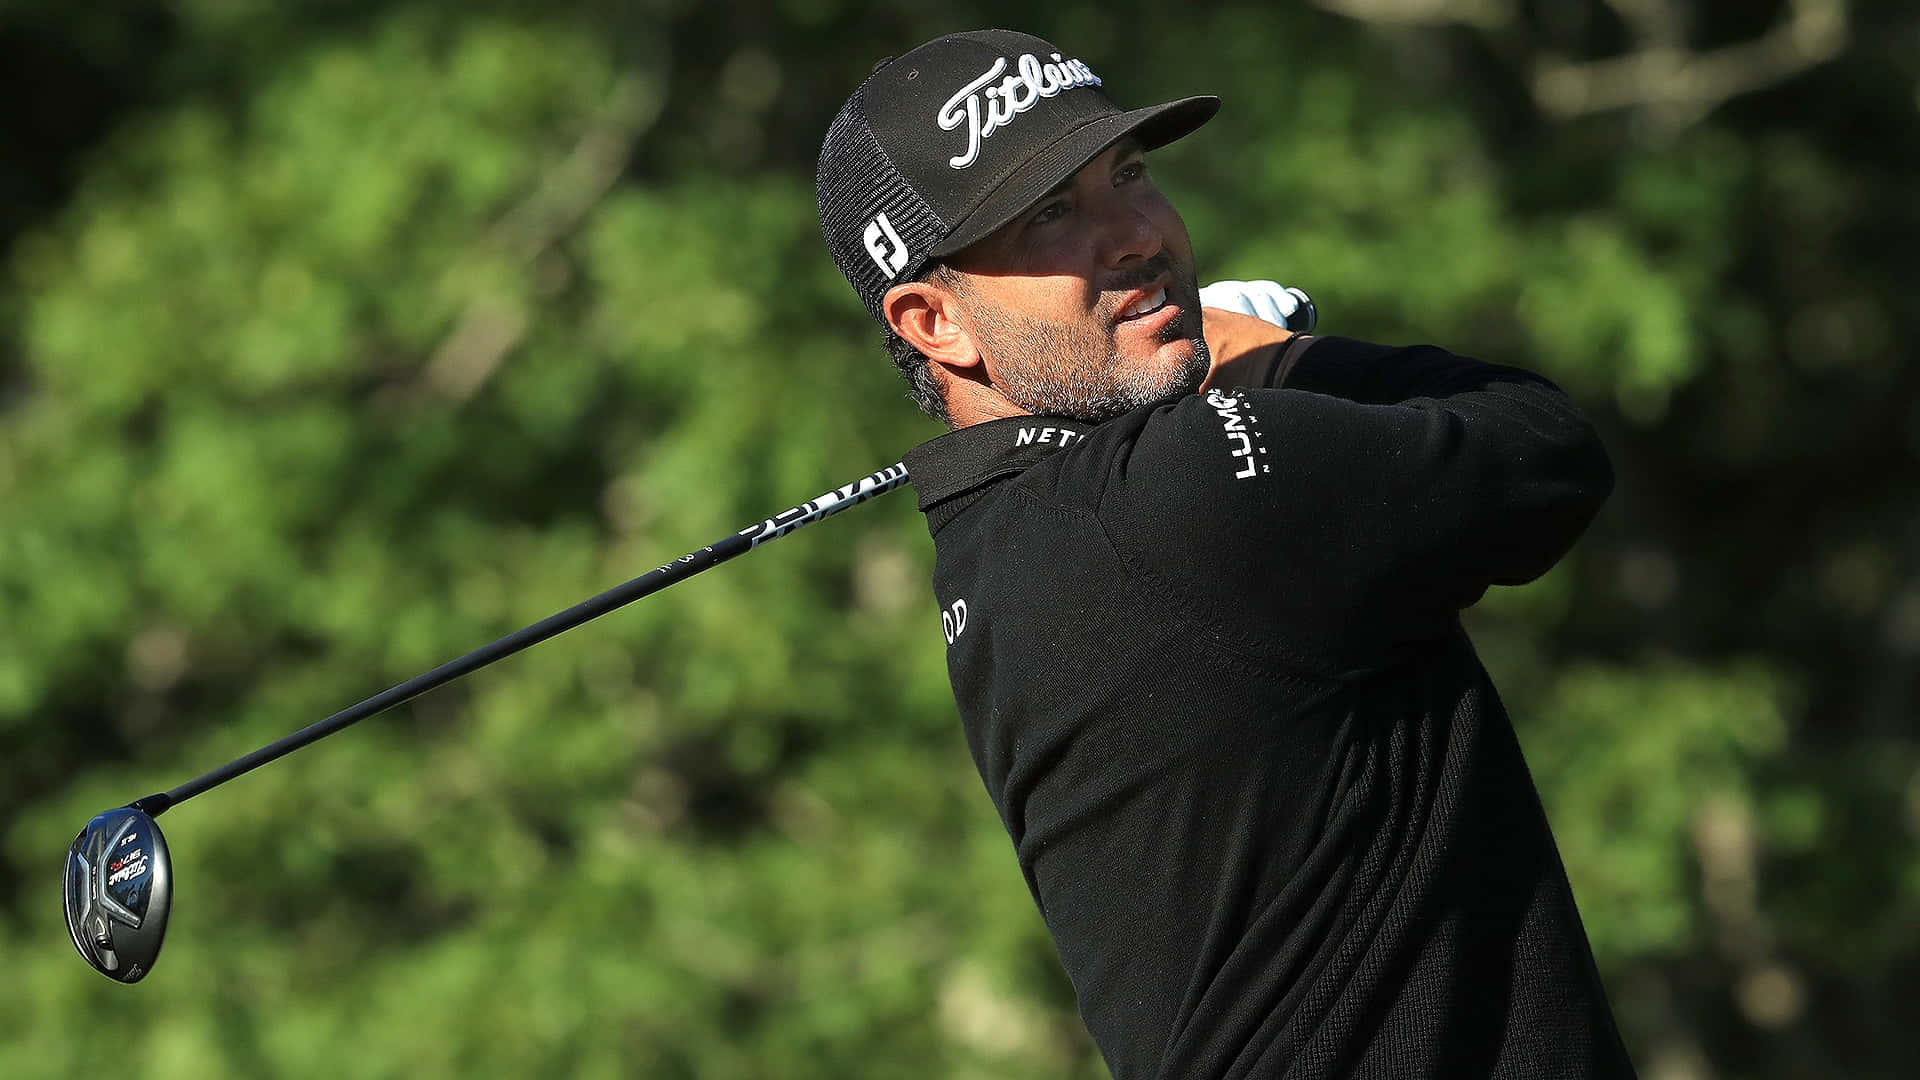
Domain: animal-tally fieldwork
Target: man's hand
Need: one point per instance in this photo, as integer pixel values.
(1245, 323)
(1278, 304)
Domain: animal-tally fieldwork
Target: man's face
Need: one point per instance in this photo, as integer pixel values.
(1086, 305)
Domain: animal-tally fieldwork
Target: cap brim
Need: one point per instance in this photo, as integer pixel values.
(1155, 126)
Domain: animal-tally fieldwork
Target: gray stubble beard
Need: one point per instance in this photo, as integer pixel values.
(1042, 368)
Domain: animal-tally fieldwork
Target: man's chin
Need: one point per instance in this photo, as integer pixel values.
(1188, 364)
(1171, 371)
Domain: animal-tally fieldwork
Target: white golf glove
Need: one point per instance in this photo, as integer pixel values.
(1276, 303)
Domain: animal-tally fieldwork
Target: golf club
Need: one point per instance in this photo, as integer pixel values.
(119, 877)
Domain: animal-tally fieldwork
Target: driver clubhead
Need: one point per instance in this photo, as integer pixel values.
(119, 890)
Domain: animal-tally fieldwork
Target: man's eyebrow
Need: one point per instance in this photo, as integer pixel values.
(1128, 147)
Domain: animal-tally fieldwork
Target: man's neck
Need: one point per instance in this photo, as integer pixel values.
(970, 403)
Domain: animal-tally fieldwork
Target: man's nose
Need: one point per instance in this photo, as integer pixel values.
(1129, 232)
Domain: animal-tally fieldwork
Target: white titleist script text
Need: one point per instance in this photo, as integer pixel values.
(1016, 93)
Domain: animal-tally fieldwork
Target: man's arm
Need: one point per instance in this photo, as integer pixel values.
(1247, 324)
(1243, 348)
(1364, 505)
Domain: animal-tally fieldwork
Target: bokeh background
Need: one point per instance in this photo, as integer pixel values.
(339, 337)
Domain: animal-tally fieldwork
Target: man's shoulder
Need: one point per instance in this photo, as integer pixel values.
(986, 455)
(1183, 442)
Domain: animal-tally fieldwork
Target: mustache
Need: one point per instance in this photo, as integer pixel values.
(1135, 277)
(1182, 288)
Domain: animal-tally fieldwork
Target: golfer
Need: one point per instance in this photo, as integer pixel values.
(1200, 588)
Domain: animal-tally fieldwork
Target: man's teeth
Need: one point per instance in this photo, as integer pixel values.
(1145, 304)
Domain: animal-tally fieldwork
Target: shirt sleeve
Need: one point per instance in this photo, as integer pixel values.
(1361, 507)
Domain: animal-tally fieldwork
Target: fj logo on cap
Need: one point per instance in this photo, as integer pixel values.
(889, 256)
(1016, 93)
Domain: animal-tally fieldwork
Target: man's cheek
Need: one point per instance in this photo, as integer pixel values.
(1189, 324)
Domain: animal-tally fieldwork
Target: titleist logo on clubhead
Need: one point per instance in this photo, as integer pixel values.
(126, 868)
(1032, 80)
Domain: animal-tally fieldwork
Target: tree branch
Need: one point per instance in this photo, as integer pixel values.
(1483, 14)
(1680, 85)
(1675, 84)
(490, 326)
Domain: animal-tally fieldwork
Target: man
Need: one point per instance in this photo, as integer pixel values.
(1206, 646)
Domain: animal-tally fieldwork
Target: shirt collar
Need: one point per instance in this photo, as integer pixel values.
(960, 461)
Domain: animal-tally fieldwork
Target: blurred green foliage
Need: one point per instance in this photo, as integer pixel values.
(342, 337)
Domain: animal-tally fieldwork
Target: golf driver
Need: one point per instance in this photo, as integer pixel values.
(119, 877)
(119, 887)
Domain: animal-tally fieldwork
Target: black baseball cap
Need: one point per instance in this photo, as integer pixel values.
(945, 144)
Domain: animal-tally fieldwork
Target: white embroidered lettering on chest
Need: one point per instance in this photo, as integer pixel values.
(892, 255)
(954, 620)
(1243, 434)
(1015, 94)
(1055, 436)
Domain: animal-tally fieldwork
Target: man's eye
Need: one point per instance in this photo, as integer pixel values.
(1053, 211)
(1132, 170)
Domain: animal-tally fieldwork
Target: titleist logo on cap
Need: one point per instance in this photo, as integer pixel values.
(1016, 93)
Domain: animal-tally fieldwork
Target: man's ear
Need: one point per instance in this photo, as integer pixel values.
(928, 317)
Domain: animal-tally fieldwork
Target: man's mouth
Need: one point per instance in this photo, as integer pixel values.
(1144, 305)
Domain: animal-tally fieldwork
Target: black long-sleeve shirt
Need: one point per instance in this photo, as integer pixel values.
(1209, 662)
